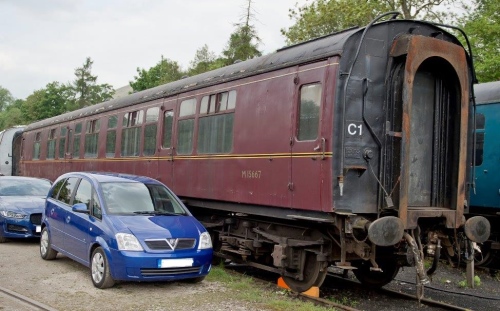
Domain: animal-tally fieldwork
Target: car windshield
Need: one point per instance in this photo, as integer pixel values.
(23, 187)
(139, 199)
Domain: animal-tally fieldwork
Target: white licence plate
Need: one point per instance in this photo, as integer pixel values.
(38, 229)
(175, 263)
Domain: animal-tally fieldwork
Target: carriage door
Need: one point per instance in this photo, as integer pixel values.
(165, 137)
(308, 141)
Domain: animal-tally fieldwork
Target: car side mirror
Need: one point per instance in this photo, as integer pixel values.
(80, 208)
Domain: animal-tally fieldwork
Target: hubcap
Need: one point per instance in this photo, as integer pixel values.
(97, 267)
(44, 242)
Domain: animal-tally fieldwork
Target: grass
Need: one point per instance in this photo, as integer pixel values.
(244, 288)
(477, 282)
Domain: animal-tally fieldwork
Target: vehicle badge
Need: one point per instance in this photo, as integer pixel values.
(172, 243)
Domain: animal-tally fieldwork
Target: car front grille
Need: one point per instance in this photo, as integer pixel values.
(36, 219)
(169, 271)
(171, 244)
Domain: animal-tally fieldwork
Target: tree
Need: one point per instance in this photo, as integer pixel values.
(482, 25)
(323, 17)
(51, 101)
(5, 98)
(204, 60)
(243, 43)
(163, 72)
(85, 88)
(12, 115)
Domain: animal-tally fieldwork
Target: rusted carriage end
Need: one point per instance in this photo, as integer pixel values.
(417, 49)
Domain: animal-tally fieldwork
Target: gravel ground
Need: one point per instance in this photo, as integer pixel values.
(65, 285)
(445, 287)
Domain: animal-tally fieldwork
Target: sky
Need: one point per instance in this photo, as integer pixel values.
(42, 41)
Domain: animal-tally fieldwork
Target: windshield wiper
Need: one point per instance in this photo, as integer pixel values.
(154, 213)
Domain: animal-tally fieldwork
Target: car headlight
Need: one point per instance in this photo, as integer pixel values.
(11, 214)
(205, 241)
(128, 242)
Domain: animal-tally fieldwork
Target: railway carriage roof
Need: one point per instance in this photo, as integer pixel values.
(487, 93)
(316, 49)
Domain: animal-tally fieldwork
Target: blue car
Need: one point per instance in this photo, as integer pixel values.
(125, 228)
(22, 200)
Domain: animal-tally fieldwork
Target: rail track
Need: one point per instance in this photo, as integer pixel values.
(15, 301)
(385, 298)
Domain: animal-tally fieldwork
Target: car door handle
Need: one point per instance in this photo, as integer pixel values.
(68, 218)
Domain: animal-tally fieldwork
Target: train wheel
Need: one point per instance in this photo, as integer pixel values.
(375, 278)
(485, 257)
(314, 275)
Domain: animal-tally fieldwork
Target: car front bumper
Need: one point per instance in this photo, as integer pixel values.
(144, 266)
(19, 228)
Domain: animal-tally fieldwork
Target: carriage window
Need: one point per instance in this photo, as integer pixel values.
(150, 131)
(51, 144)
(168, 121)
(133, 118)
(111, 136)
(188, 107)
(91, 138)
(76, 140)
(185, 136)
(215, 133)
(218, 102)
(309, 106)
(479, 148)
(185, 128)
(62, 141)
(480, 121)
(36, 146)
(131, 133)
(152, 114)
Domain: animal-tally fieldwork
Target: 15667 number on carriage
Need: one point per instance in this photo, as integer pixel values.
(250, 174)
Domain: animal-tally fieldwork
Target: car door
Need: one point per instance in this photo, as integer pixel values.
(56, 210)
(77, 223)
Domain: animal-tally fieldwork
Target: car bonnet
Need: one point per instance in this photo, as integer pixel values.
(150, 227)
(28, 204)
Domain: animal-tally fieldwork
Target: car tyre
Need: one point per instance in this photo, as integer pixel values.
(2, 239)
(99, 269)
(46, 251)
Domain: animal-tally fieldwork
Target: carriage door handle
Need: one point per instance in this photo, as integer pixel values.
(321, 146)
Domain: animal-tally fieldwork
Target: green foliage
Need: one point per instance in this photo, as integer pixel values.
(246, 289)
(243, 44)
(12, 115)
(86, 91)
(48, 102)
(163, 72)
(482, 26)
(204, 60)
(477, 280)
(323, 17)
(5, 98)
(462, 284)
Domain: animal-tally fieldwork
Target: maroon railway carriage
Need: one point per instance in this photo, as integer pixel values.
(341, 150)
